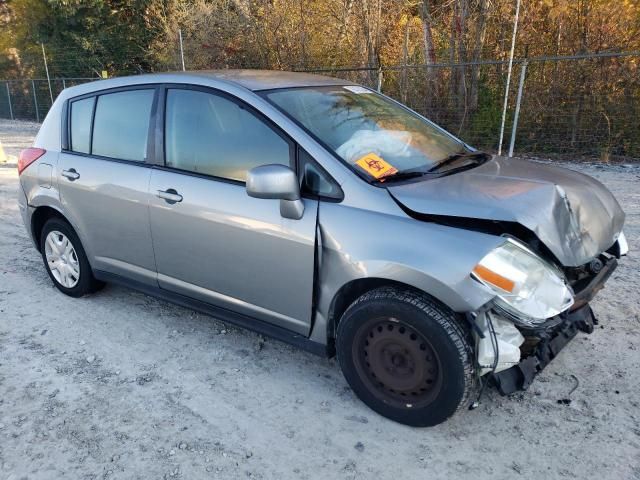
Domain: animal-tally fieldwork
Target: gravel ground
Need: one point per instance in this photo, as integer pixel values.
(15, 136)
(121, 385)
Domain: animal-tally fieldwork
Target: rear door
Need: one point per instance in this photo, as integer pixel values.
(211, 240)
(103, 179)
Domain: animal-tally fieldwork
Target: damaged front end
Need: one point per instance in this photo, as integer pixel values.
(562, 237)
(542, 346)
(569, 216)
(513, 352)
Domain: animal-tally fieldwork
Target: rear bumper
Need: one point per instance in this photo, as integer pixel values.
(25, 211)
(520, 377)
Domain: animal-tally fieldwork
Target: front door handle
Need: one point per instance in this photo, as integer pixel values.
(71, 174)
(170, 195)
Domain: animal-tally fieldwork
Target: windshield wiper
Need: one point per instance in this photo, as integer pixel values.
(408, 174)
(455, 157)
(403, 175)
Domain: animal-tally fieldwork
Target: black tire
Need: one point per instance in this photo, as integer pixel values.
(419, 349)
(86, 283)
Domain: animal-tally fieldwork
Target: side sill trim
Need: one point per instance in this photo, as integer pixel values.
(222, 314)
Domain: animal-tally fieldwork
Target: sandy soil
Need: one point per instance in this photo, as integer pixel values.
(120, 385)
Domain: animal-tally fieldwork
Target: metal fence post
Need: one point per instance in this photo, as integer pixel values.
(9, 99)
(46, 67)
(64, 84)
(379, 80)
(181, 49)
(523, 73)
(506, 88)
(35, 100)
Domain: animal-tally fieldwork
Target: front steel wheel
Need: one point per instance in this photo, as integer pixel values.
(407, 356)
(397, 362)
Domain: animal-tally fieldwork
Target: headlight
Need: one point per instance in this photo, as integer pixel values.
(526, 286)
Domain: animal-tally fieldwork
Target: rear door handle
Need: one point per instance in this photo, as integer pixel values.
(170, 195)
(71, 174)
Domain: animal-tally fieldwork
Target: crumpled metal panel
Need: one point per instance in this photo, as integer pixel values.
(574, 215)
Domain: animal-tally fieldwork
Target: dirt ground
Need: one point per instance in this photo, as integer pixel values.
(120, 385)
(14, 137)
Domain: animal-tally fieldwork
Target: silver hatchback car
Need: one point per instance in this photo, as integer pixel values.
(326, 215)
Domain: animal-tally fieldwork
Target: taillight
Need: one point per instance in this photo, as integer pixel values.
(28, 156)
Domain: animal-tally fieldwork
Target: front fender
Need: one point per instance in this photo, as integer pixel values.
(436, 259)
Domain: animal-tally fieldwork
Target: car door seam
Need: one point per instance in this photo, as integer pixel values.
(153, 251)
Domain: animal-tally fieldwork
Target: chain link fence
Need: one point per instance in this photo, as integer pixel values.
(582, 106)
(31, 99)
(579, 106)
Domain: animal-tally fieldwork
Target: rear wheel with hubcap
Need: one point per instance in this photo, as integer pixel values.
(407, 356)
(62, 259)
(65, 259)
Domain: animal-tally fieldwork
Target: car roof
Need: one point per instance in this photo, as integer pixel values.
(268, 79)
(253, 80)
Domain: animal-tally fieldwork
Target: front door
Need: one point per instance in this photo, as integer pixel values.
(211, 240)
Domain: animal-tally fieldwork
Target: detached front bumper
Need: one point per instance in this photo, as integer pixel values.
(520, 376)
(544, 345)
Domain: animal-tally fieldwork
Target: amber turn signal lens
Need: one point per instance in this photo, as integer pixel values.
(494, 278)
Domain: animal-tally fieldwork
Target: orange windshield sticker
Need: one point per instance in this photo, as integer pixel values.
(375, 166)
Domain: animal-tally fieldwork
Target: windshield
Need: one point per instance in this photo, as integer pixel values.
(374, 135)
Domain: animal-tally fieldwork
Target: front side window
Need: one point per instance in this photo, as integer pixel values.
(212, 135)
(369, 132)
(81, 113)
(121, 124)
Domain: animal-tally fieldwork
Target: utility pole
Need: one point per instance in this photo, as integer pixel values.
(181, 49)
(46, 67)
(506, 90)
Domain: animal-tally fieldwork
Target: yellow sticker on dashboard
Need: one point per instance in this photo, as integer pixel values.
(375, 166)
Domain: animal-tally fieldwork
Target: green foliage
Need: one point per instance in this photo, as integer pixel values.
(484, 126)
(81, 37)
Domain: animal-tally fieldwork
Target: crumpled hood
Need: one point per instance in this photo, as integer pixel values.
(574, 215)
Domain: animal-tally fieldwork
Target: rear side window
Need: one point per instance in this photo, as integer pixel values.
(212, 135)
(121, 124)
(81, 113)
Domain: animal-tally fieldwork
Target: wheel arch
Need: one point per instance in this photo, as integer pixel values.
(354, 289)
(39, 217)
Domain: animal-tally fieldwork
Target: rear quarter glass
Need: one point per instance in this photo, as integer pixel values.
(81, 112)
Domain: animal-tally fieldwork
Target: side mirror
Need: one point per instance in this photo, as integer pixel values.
(277, 182)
